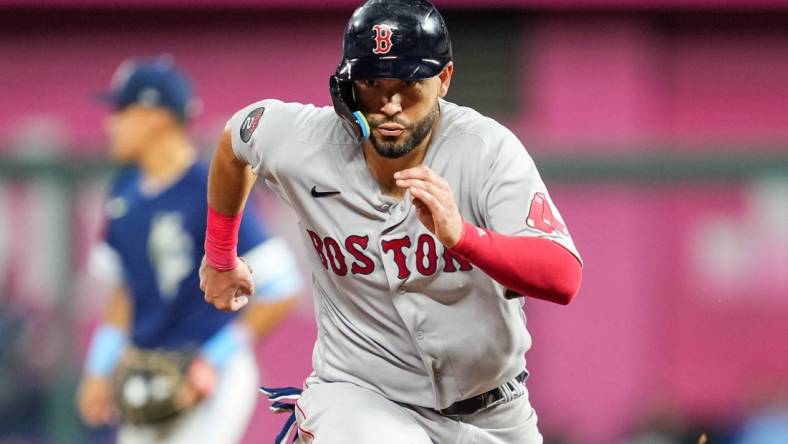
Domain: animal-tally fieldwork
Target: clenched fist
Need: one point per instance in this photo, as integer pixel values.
(227, 290)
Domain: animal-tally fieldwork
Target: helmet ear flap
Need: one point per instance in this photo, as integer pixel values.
(344, 101)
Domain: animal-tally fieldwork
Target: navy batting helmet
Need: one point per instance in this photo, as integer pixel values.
(388, 39)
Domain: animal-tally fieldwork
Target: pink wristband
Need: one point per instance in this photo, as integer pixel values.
(221, 240)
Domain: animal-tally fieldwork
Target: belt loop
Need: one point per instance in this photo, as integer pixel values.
(506, 392)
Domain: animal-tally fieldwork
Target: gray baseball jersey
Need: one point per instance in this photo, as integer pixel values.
(396, 311)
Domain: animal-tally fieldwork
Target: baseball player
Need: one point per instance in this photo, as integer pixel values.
(426, 221)
(163, 359)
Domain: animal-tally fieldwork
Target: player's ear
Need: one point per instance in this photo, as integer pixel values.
(445, 79)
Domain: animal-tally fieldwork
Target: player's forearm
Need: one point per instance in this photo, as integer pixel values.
(229, 181)
(118, 312)
(531, 266)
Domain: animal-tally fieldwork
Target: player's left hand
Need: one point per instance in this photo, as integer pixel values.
(434, 201)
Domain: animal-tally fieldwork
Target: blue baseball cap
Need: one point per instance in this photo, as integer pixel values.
(152, 83)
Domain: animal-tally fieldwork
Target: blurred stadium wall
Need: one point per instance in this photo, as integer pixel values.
(660, 126)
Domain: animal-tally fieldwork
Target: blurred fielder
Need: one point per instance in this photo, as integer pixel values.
(166, 361)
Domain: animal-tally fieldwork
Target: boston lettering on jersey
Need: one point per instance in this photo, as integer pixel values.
(428, 257)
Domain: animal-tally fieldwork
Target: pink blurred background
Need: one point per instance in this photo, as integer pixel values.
(682, 313)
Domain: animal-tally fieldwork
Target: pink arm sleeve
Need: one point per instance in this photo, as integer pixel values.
(530, 266)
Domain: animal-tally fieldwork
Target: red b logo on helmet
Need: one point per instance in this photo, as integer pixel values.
(382, 39)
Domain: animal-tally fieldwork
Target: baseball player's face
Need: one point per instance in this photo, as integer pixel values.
(133, 129)
(401, 113)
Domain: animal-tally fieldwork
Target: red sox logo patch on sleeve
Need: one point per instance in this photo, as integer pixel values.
(383, 34)
(541, 217)
(250, 123)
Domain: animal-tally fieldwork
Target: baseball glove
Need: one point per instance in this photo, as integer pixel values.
(146, 383)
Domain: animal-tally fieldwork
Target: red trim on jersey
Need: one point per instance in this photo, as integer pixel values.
(532, 266)
(301, 429)
(221, 240)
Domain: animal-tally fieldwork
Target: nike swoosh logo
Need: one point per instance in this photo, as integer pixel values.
(316, 193)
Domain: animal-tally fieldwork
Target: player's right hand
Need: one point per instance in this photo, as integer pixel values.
(227, 290)
(94, 401)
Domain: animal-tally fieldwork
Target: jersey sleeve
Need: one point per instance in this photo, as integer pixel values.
(275, 271)
(245, 127)
(261, 130)
(514, 200)
(104, 264)
(264, 132)
(104, 261)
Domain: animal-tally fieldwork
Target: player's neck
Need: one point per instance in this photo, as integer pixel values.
(383, 168)
(166, 161)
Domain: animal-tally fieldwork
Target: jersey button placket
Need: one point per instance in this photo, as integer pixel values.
(399, 297)
(386, 203)
(397, 213)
